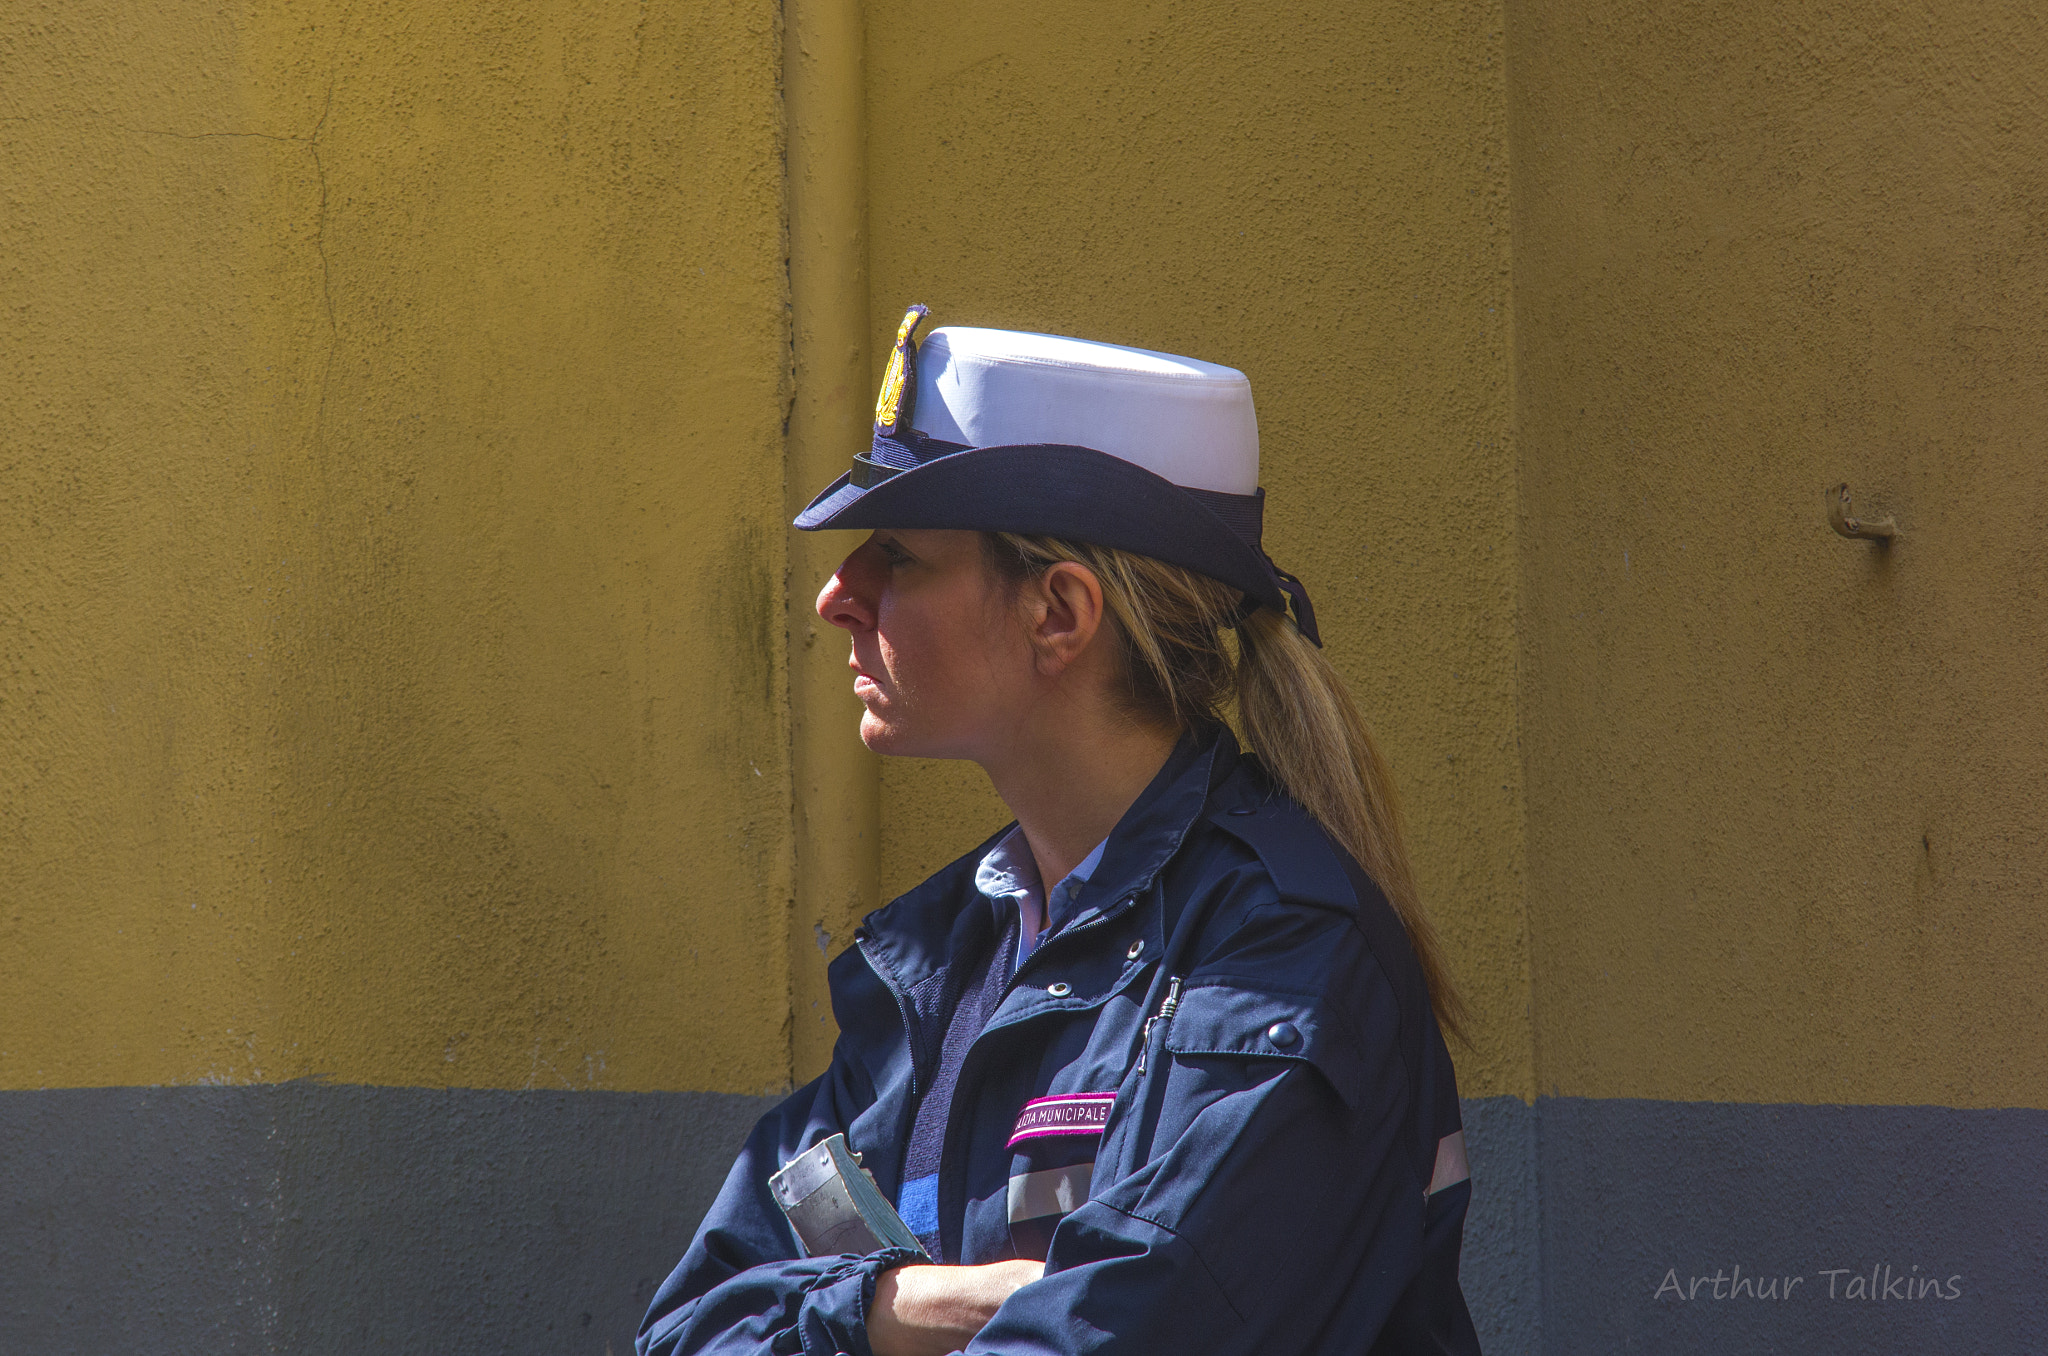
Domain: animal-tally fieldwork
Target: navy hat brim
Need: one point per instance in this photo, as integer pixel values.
(1056, 490)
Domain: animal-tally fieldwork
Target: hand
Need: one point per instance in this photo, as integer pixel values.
(928, 1310)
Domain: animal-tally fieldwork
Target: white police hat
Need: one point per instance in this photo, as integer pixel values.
(1006, 431)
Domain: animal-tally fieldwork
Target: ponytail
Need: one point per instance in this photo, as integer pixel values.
(1191, 655)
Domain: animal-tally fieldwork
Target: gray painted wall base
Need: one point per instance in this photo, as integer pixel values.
(1649, 1207)
(1500, 1266)
(309, 1219)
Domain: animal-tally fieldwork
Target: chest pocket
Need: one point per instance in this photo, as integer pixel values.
(1220, 1018)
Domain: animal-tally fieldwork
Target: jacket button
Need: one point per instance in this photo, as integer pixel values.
(1137, 949)
(1283, 1035)
(1059, 990)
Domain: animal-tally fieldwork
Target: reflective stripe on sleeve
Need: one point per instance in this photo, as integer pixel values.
(1451, 1168)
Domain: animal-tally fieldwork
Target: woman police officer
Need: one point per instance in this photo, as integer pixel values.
(1192, 1097)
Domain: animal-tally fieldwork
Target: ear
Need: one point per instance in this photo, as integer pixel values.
(1064, 616)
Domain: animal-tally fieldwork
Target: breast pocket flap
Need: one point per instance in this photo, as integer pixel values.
(1222, 1019)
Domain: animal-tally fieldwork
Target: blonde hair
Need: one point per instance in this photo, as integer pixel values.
(1191, 652)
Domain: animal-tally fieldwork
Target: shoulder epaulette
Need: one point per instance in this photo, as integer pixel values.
(1306, 866)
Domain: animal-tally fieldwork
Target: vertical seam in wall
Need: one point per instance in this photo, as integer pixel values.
(791, 650)
(1517, 610)
(1511, 357)
(834, 781)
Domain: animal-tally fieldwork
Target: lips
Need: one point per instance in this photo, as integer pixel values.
(865, 684)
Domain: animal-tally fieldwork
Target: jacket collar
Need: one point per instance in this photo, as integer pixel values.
(911, 938)
(1153, 829)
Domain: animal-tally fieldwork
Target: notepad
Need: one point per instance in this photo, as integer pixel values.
(834, 1206)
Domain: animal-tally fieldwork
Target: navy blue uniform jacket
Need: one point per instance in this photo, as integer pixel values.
(1262, 1182)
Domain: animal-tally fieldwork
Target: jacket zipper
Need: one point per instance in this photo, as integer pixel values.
(1060, 935)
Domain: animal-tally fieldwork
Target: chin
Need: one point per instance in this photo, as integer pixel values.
(894, 741)
(880, 736)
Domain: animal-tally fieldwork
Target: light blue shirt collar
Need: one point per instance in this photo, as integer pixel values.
(1008, 876)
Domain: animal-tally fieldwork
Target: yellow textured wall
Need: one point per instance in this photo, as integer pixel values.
(1315, 194)
(399, 431)
(1788, 794)
(391, 678)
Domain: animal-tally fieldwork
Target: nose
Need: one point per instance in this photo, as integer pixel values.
(847, 600)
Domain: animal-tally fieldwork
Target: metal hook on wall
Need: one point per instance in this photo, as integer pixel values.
(1841, 519)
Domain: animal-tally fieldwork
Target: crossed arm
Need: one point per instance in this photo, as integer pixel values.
(925, 1310)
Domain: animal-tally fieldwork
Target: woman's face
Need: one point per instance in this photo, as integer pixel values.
(942, 661)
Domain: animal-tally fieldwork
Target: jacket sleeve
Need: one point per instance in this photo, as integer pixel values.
(1257, 1195)
(744, 1285)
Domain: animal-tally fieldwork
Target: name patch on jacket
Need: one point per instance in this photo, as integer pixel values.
(1066, 1113)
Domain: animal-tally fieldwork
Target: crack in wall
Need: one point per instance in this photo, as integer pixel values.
(208, 136)
(326, 271)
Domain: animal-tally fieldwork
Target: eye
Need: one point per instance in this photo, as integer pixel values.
(893, 553)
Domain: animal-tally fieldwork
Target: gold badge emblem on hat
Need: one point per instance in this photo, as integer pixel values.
(889, 412)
